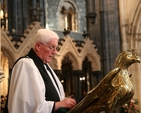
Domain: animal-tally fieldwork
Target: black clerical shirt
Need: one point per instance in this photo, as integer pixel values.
(51, 92)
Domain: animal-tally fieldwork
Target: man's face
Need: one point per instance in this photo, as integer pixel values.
(46, 51)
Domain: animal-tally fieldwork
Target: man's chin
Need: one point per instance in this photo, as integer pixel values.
(49, 60)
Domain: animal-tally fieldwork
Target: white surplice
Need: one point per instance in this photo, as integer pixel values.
(27, 89)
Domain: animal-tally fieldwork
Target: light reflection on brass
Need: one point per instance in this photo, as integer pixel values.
(114, 90)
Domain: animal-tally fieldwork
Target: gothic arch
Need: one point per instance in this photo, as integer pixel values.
(136, 28)
(73, 60)
(75, 16)
(10, 51)
(92, 54)
(26, 50)
(94, 61)
(136, 44)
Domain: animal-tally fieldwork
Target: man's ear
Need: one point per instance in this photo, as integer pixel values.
(37, 46)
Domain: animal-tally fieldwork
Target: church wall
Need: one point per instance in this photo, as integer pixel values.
(130, 30)
(105, 32)
(53, 14)
(82, 15)
(129, 16)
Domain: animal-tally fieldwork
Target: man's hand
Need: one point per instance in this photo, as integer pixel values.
(66, 103)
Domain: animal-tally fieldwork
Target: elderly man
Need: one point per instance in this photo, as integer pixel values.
(34, 87)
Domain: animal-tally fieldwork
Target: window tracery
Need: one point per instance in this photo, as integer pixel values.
(68, 16)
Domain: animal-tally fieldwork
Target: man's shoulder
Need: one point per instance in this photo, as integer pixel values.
(25, 60)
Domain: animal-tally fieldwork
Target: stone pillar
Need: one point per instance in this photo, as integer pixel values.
(1, 72)
(96, 77)
(77, 74)
(1, 75)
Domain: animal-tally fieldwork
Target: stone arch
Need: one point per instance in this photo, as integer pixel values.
(26, 50)
(135, 43)
(75, 16)
(135, 29)
(9, 54)
(95, 61)
(73, 59)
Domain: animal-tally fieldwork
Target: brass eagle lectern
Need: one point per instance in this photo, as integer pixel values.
(114, 90)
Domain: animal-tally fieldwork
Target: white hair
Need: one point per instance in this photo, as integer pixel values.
(44, 36)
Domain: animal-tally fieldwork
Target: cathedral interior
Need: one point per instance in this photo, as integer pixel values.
(92, 33)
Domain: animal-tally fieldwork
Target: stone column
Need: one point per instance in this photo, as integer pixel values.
(1, 72)
(96, 78)
(78, 91)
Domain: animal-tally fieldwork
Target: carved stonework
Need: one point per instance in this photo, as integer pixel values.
(10, 51)
(76, 50)
(1, 75)
(68, 47)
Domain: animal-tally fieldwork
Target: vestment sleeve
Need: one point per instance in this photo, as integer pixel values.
(27, 89)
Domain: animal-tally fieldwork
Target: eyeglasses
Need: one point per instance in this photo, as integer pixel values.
(51, 48)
